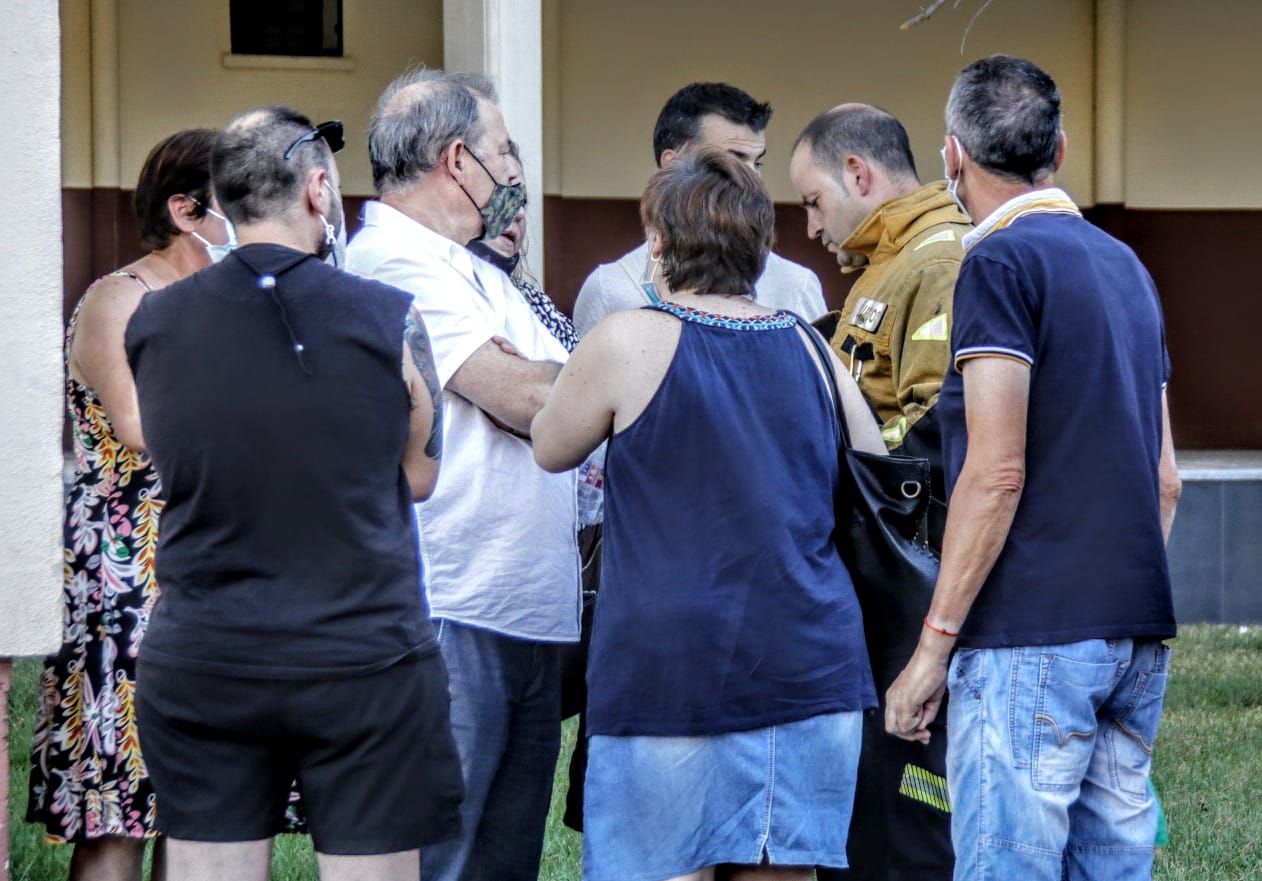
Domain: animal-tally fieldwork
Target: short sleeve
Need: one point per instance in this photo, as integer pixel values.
(590, 306)
(457, 317)
(992, 313)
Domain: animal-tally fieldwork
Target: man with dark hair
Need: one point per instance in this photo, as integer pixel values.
(293, 413)
(498, 535)
(852, 166)
(1054, 591)
(700, 115)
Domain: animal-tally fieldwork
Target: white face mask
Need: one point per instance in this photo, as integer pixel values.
(218, 252)
(647, 284)
(335, 242)
(953, 183)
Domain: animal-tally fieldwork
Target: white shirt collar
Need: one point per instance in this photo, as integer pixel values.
(979, 232)
(431, 244)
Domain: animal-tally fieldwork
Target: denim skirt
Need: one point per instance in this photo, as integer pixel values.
(659, 807)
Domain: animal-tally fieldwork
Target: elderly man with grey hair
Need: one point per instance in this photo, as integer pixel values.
(498, 535)
(1051, 611)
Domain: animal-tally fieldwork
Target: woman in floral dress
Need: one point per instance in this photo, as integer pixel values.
(88, 782)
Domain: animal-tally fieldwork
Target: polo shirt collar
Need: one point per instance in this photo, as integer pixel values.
(1047, 200)
(430, 244)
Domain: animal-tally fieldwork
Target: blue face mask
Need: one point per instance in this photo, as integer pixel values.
(647, 285)
(218, 252)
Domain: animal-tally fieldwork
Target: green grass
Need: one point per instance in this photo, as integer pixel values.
(1207, 770)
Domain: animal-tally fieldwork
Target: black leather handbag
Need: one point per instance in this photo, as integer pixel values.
(882, 535)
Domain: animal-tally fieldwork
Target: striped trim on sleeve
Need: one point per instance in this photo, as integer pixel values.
(992, 352)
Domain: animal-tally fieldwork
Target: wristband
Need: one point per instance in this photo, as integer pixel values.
(941, 630)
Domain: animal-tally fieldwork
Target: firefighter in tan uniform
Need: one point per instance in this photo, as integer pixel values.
(854, 171)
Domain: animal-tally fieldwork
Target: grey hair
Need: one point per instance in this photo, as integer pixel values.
(419, 115)
(1006, 113)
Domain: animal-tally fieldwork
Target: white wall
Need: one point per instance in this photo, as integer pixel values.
(30, 330)
(171, 74)
(609, 67)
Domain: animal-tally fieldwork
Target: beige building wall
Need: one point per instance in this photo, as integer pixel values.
(172, 74)
(1193, 130)
(609, 67)
(30, 331)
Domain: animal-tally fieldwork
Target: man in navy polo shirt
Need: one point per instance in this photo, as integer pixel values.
(1054, 590)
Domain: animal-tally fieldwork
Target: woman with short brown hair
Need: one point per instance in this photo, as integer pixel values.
(728, 672)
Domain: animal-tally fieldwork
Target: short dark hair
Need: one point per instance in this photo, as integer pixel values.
(419, 115)
(251, 177)
(1006, 113)
(716, 221)
(179, 164)
(680, 120)
(870, 132)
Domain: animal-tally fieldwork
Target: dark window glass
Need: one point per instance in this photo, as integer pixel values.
(286, 27)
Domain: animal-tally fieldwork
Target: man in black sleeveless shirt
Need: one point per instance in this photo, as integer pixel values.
(293, 414)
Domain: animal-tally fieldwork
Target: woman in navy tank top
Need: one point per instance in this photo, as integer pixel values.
(728, 672)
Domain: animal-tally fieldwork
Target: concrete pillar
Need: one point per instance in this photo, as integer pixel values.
(1110, 106)
(503, 39)
(30, 337)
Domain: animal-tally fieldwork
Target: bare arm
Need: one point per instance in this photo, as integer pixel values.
(509, 389)
(97, 356)
(579, 413)
(1171, 484)
(865, 434)
(983, 505)
(424, 449)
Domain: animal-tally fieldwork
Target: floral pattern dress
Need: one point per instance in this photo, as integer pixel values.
(88, 778)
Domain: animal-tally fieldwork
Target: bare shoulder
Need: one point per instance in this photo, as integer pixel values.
(632, 333)
(109, 300)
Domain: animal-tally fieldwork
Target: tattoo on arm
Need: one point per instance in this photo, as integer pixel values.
(423, 357)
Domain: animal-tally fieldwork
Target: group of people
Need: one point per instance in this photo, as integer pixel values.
(322, 564)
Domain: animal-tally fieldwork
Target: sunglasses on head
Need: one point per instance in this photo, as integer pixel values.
(330, 132)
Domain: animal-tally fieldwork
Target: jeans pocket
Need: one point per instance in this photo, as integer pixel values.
(965, 673)
(1065, 727)
(1134, 730)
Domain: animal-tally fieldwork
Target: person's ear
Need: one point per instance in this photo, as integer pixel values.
(317, 193)
(455, 160)
(667, 158)
(859, 173)
(182, 210)
(1062, 144)
(655, 244)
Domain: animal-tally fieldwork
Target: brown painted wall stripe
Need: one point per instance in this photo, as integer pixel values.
(1202, 262)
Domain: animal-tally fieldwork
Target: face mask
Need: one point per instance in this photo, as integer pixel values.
(953, 183)
(333, 248)
(499, 210)
(506, 265)
(218, 252)
(650, 289)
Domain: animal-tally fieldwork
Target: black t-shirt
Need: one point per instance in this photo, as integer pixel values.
(277, 419)
(1085, 558)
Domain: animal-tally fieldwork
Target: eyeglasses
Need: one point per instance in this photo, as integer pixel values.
(330, 132)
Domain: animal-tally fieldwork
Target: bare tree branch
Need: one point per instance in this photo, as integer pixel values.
(924, 15)
(976, 14)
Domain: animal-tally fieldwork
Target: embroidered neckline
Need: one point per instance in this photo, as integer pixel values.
(777, 320)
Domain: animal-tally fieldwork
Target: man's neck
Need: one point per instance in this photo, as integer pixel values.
(274, 232)
(989, 193)
(448, 221)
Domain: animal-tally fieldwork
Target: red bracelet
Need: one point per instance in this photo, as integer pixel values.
(941, 630)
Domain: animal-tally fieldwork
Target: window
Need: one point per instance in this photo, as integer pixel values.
(286, 27)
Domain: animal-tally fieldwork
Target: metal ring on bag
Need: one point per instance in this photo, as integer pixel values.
(911, 489)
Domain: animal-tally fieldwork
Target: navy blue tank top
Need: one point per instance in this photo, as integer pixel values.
(723, 603)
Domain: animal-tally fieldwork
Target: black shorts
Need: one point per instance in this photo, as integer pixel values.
(373, 756)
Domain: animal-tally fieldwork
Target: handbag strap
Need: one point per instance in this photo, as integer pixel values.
(826, 364)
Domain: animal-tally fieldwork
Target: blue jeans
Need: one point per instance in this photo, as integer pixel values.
(1049, 757)
(506, 718)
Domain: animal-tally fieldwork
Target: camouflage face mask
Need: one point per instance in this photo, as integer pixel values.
(501, 208)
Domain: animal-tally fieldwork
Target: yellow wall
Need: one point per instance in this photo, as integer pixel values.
(171, 76)
(1193, 130)
(617, 63)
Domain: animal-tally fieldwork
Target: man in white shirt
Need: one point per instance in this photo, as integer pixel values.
(498, 535)
(702, 115)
